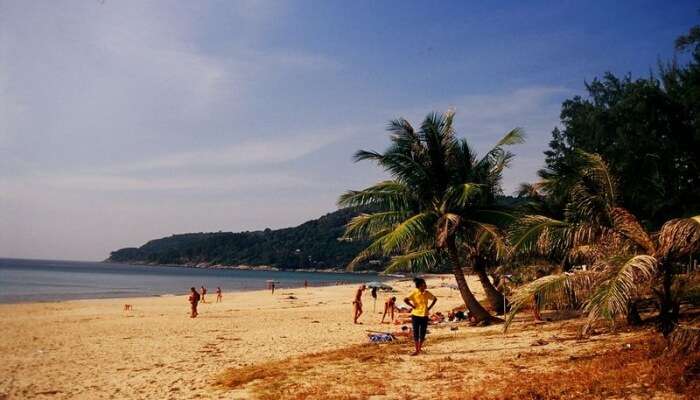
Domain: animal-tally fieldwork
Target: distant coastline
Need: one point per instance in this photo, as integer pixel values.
(205, 265)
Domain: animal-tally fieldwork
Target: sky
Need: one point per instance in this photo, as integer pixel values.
(126, 121)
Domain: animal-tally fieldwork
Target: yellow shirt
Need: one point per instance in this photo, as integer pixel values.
(420, 300)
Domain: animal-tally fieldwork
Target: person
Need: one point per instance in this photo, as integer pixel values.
(204, 293)
(306, 284)
(373, 292)
(272, 287)
(357, 303)
(418, 301)
(194, 300)
(218, 294)
(389, 307)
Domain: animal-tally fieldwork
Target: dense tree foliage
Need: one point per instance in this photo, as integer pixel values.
(317, 241)
(647, 129)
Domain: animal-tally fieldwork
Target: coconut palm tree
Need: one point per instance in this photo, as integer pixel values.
(440, 198)
(624, 258)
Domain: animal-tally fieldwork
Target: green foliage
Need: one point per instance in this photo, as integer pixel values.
(317, 240)
(646, 129)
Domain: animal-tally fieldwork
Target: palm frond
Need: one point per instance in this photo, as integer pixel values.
(386, 195)
(679, 237)
(628, 225)
(612, 296)
(371, 225)
(540, 234)
(460, 195)
(490, 237)
(421, 260)
(412, 230)
(515, 136)
(550, 289)
(597, 169)
(446, 226)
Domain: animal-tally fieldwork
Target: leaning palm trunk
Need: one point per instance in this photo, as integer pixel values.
(668, 308)
(473, 305)
(496, 299)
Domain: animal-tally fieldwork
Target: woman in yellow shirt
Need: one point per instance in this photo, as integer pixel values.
(418, 301)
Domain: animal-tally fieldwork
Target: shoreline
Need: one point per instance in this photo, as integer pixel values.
(264, 268)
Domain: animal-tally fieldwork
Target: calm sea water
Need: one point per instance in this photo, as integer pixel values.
(45, 280)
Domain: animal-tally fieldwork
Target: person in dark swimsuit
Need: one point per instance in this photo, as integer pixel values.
(194, 301)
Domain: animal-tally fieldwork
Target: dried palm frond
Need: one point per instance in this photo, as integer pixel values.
(628, 225)
(446, 226)
(684, 339)
(612, 296)
(679, 237)
(550, 289)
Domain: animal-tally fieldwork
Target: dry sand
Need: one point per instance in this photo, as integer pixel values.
(92, 349)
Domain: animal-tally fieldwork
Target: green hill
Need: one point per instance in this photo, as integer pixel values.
(313, 244)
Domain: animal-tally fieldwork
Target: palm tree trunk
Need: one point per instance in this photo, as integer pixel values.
(496, 299)
(633, 317)
(668, 310)
(473, 305)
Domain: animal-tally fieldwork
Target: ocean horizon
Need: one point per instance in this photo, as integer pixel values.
(28, 280)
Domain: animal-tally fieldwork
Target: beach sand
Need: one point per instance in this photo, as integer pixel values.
(92, 349)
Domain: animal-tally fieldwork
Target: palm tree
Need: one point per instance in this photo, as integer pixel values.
(436, 202)
(624, 258)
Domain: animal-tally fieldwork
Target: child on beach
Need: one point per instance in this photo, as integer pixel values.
(218, 294)
(357, 303)
(418, 301)
(194, 300)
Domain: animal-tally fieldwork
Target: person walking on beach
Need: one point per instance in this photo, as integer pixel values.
(204, 293)
(272, 287)
(357, 303)
(194, 300)
(418, 301)
(306, 283)
(218, 294)
(389, 307)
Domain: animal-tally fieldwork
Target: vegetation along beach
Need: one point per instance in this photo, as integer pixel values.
(349, 200)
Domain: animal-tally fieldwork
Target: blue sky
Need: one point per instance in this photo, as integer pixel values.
(123, 121)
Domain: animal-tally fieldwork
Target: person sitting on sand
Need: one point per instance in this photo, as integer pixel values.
(389, 307)
(405, 332)
(437, 318)
(456, 316)
(194, 300)
(418, 301)
(204, 292)
(357, 303)
(218, 294)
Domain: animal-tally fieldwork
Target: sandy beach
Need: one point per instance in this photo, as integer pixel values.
(92, 349)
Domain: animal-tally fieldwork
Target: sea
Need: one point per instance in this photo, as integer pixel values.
(23, 280)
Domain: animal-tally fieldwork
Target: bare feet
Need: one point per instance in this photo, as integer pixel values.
(415, 353)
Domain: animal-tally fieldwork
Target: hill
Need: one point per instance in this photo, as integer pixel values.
(313, 244)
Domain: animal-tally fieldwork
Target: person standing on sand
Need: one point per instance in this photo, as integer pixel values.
(418, 301)
(357, 303)
(389, 307)
(204, 292)
(218, 294)
(306, 284)
(194, 300)
(272, 286)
